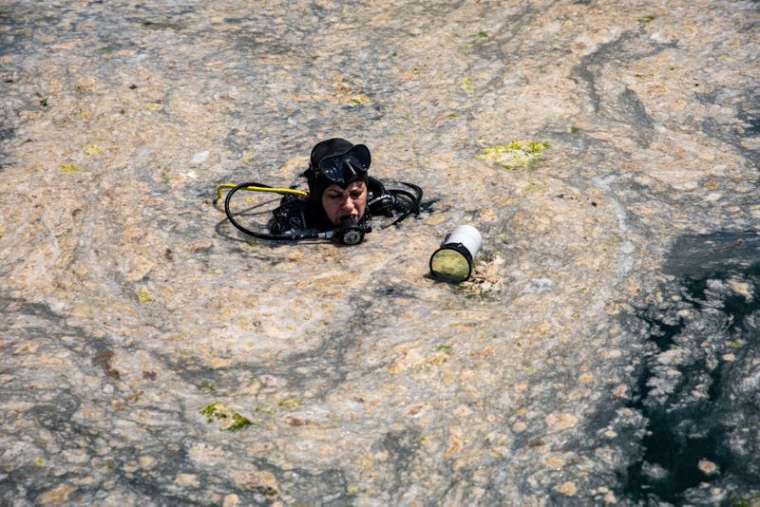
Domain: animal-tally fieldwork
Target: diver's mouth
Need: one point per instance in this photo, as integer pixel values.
(348, 220)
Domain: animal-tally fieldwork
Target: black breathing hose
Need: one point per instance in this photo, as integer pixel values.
(309, 234)
(414, 196)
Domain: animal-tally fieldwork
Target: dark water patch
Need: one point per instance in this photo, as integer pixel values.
(730, 134)
(160, 25)
(492, 46)
(591, 67)
(698, 385)
(402, 446)
(394, 290)
(745, 125)
(325, 367)
(753, 126)
(694, 257)
(662, 333)
(636, 114)
(750, 116)
(318, 370)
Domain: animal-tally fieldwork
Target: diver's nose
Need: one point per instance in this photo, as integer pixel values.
(348, 206)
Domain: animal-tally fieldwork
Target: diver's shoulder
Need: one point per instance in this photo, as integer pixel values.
(289, 215)
(297, 214)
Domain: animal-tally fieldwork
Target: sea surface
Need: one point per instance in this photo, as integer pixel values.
(605, 350)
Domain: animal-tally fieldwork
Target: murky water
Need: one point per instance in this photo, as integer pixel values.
(697, 386)
(604, 352)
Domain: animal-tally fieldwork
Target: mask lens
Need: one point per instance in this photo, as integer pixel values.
(330, 167)
(450, 265)
(341, 169)
(355, 164)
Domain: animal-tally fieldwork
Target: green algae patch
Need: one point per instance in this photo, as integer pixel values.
(360, 100)
(92, 149)
(446, 349)
(289, 404)
(144, 296)
(346, 92)
(230, 419)
(475, 39)
(468, 86)
(515, 155)
(69, 168)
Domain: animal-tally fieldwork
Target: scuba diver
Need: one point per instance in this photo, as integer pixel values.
(341, 199)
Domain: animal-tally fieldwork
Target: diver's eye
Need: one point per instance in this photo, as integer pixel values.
(356, 194)
(335, 197)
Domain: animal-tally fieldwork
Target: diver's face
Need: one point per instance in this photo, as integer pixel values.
(341, 203)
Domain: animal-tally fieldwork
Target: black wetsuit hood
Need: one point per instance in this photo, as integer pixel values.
(336, 162)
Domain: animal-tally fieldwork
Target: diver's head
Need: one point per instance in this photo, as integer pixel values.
(337, 178)
(345, 205)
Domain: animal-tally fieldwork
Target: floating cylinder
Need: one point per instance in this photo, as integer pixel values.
(452, 262)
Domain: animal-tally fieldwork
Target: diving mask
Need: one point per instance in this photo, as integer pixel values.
(344, 168)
